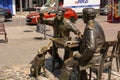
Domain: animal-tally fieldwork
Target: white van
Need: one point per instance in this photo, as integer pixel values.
(76, 5)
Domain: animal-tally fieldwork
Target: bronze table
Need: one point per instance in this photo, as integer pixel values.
(62, 43)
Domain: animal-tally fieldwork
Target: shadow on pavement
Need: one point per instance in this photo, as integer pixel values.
(39, 38)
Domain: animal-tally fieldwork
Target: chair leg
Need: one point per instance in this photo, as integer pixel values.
(90, 74)
(6, 39)
(78, 76)
(117, 63)
(109, 73)
(119, 56)
(99, 75)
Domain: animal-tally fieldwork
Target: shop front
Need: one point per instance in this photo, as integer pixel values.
(114, 11)
(8, 4)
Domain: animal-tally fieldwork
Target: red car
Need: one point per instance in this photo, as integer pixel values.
(33, 17)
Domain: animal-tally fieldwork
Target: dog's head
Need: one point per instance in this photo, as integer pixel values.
(43, 50)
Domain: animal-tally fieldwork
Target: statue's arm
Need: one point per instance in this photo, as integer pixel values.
(72, 27)
(88, 45)
(47, 21)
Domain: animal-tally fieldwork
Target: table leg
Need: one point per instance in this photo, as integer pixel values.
(53, 56)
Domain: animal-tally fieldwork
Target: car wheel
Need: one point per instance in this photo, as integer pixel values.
(73, 19)
(2, 18)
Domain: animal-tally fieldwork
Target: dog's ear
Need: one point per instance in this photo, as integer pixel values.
(40, 50)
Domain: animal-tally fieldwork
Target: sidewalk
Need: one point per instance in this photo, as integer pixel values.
(23, 43)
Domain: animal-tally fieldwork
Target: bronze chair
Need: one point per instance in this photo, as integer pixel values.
(106, 61)
(3, 32)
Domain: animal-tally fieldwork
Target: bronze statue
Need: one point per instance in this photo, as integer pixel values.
(92, 40)
(38, 63)
(61, 28)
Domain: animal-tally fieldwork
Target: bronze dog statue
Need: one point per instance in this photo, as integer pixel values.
(38, 63)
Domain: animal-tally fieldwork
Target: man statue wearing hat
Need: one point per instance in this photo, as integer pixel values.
(92, 40)
(61, 29)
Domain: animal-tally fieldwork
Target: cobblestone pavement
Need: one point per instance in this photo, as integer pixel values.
(22, 72)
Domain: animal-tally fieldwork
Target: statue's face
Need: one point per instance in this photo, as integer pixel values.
(60, 15)
(88, 14)
(85, 18)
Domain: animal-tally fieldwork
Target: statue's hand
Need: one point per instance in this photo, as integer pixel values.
(79, 35)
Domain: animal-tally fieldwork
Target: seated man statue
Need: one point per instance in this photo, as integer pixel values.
(92, 40)
(61, 29)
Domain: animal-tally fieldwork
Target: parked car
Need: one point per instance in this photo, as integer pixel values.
(104, 10)
(5, 14)
(33, 17)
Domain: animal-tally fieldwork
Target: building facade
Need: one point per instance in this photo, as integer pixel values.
(8, 4)
(14, 5)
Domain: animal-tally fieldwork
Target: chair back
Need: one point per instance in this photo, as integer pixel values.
(104, 56)
(107, 58)
(3, 32)
(2, 28)
(105, 51)
(117, 51)
(106, 46)
(118, 42)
